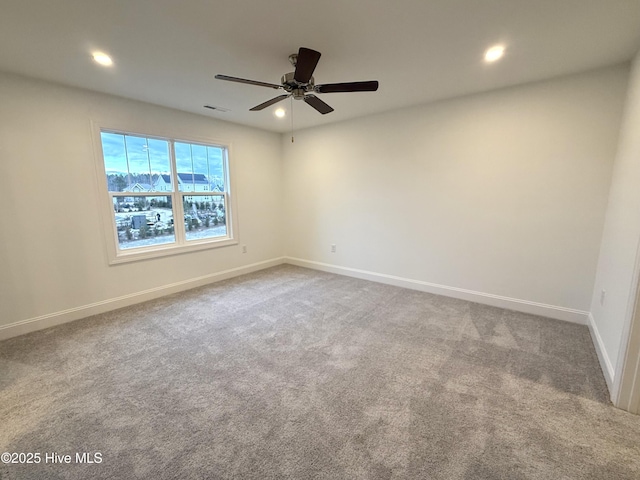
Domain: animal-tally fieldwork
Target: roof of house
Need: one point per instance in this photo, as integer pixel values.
(199, 178)
(165, 176)
(138, 187)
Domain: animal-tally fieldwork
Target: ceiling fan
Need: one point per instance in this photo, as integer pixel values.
(300, 83)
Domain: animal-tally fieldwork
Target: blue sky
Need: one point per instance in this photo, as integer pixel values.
(144, 152)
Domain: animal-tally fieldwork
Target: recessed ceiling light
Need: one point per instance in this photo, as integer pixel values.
(494, 53)
(102, 59)
(279, 113)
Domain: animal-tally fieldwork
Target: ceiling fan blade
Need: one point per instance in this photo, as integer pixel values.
(318, 104)
(264, 105)
(250, 82)
(371, 86)
(306, 64)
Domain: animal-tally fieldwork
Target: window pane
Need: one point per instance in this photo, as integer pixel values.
(204, 216)
(115, 161)
(200, 167)
(160, 165)
(184, 167)
(139, 171)
(200, 179)
(143, 221)
(216, 168)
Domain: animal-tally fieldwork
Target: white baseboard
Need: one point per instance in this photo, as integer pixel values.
(603, 358)
(525, 306)
(76, 313)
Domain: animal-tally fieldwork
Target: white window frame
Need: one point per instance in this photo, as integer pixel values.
(181, 245)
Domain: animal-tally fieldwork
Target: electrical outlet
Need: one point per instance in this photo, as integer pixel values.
(244, 249)
(603, 294)
(333, 248)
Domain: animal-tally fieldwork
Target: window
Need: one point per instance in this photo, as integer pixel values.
(164, 195)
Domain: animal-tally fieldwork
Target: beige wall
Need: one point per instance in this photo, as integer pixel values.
(502, 194)
(52, 247)
(618, 262)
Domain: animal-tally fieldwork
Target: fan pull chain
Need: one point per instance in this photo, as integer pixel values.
(291, 119)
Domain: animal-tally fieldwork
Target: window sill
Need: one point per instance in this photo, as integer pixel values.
(140, 254)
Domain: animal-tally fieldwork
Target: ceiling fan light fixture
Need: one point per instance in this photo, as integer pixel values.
(494, 53)
(280, 113)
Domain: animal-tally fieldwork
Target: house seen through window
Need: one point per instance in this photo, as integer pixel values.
(165, 192)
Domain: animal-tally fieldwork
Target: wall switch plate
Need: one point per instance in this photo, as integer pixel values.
(603, 294)
(333, 248)
(244, 249)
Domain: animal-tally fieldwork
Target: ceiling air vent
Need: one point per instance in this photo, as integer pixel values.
(219, 109)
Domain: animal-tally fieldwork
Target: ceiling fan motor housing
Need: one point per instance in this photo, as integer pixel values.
(293, 86)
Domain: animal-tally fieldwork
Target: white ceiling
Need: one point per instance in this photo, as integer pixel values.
(167, 51)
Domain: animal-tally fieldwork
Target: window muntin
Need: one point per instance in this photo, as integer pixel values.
(138, 168)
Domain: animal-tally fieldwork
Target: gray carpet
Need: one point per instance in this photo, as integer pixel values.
(296, 374)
